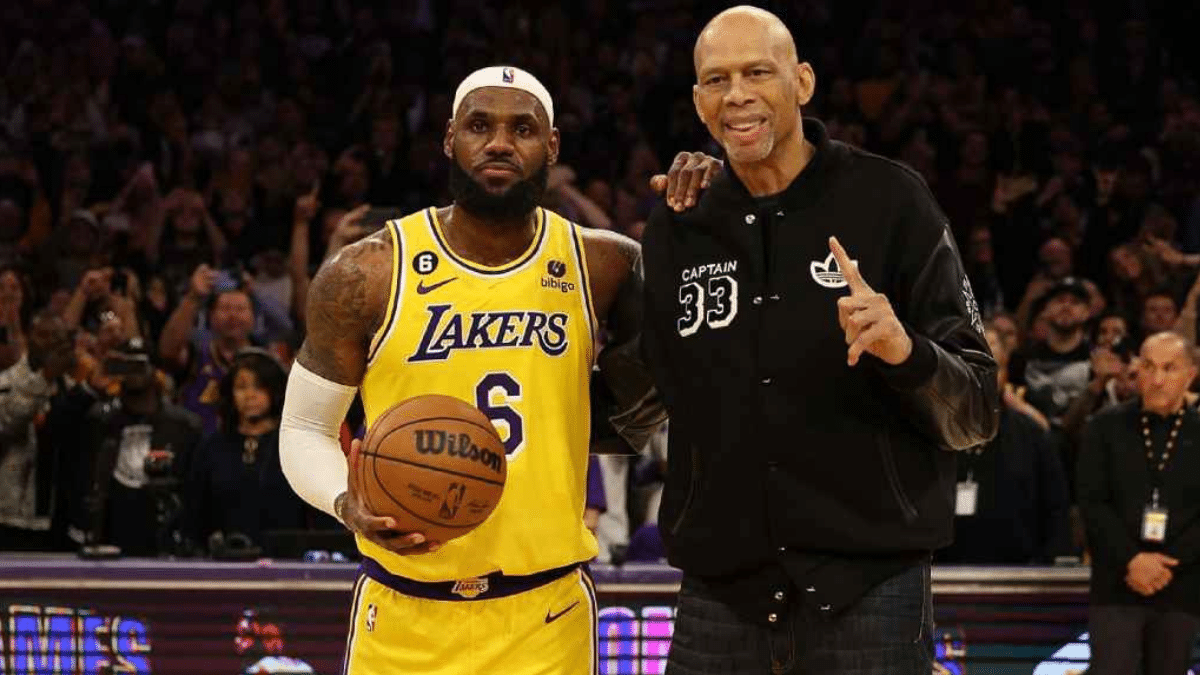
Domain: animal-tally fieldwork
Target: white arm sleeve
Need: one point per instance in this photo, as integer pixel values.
(309, 450)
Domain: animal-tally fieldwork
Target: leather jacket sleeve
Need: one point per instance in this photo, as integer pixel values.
(949, 381)
(639, 410)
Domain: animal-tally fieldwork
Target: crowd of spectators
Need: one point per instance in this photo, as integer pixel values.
(172, 173)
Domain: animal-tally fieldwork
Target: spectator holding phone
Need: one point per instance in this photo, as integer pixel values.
(155, 307)
(1109, 365)
(26, 478)
(122, 433)
(15, 304)
(304, 212)
(79, 245)
(189, 236)
(200, 358)
(102, 294)
(350, 227)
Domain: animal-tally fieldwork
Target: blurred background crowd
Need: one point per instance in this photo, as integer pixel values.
(172, 173)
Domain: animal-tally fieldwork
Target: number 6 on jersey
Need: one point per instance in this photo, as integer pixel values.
(493, 395)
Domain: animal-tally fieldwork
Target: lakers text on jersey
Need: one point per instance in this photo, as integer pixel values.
(517, 342)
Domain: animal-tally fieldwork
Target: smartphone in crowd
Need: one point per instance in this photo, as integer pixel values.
(229, 279)
(120, 366)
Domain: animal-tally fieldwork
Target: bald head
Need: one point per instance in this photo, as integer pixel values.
(749, 92)
(1166, 370)
(1168, 344)
(747, 24)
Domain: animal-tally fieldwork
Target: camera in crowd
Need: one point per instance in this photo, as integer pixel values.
(160, 467)
(129, 360)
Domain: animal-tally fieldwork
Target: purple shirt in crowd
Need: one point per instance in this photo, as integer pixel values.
(202, 389)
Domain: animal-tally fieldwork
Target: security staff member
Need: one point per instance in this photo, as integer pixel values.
(1139, 492)
(814, 399)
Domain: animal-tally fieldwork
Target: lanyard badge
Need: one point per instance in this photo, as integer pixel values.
(1154, 521)
(1154, 517)
(966, 496)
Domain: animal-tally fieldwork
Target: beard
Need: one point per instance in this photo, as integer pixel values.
(514, 203)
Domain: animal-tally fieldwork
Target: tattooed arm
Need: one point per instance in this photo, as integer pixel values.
(615, 272)
(343, 304)
(346, 303)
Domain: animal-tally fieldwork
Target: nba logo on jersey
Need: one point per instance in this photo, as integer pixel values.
(370, 618)
(470, 588)
(506, 74)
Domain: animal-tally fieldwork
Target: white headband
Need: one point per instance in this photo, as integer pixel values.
(509, 78)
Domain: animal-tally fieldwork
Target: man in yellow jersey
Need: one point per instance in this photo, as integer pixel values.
(495, 301)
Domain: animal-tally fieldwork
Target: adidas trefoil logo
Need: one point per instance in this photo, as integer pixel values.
(827, 273)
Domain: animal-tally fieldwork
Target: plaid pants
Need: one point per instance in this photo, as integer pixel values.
(887, 632)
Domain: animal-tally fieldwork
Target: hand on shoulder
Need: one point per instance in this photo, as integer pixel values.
(689, 175)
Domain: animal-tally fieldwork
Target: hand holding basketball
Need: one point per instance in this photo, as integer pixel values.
(383, 530)
(867, 317)
(431, 466)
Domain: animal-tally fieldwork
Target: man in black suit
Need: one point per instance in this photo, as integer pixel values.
(1139, 492)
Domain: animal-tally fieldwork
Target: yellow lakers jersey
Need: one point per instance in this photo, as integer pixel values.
(517, 342)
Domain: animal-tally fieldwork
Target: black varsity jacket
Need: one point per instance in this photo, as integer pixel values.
(777, 446)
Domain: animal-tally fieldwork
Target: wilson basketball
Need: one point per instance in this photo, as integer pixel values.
(435, 464)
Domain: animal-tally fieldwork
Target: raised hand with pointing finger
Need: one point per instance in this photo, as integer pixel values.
(741, 338)
(867, 317)
(307, 205)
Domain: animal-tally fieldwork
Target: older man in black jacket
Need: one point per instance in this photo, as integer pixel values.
(1139, 492)
(809, 474)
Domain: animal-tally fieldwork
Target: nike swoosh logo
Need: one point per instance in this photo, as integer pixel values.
(554, 617)
(422, 289)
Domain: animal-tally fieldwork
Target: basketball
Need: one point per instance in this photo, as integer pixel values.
(435, 464)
